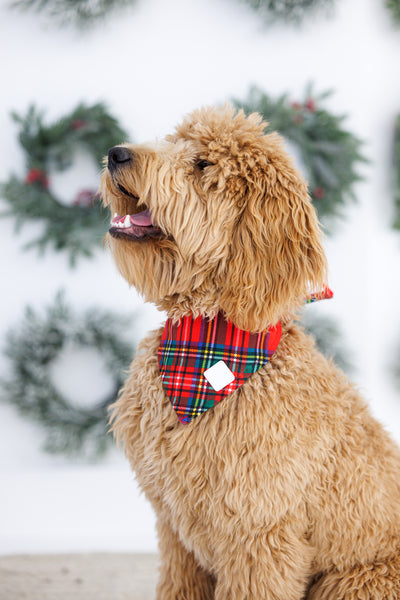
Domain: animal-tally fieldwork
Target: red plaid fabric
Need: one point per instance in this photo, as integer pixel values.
(325, 294)
(192, 346)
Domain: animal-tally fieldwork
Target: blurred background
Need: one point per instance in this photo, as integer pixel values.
(150, 63)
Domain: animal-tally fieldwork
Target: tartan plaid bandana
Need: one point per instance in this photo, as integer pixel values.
(201, 361)
(198, 356)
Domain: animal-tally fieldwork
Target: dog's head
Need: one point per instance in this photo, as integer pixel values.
(214, 218)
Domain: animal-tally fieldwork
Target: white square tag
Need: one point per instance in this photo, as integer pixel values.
(219, 375)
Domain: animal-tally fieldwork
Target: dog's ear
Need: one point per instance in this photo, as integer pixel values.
(276, 256)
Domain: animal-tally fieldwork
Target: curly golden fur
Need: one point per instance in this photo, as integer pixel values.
(287, 489)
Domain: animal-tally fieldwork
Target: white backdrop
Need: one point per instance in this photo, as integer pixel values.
(151, 64)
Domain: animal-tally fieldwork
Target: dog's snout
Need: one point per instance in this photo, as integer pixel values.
(118, 156)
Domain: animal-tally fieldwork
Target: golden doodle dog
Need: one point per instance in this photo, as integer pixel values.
(287, 488)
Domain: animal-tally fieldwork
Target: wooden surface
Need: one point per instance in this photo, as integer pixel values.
(78, 577)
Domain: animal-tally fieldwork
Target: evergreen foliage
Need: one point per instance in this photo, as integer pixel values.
(81, 226)
(394, 7)
(34, 345)
(288, 10)
(81, 13)
(329, 152)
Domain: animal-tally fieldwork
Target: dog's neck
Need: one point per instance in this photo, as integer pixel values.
(179, 307)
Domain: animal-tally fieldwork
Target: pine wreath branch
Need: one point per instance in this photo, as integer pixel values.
(81, 13)
(292, 11)
(394, 7)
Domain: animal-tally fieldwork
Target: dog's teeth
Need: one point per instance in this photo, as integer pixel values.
(115, 215)
(127, 221)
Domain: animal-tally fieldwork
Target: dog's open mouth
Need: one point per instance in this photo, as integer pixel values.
(137, 227)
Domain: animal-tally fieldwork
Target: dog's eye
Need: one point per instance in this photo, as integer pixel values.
(202, 164)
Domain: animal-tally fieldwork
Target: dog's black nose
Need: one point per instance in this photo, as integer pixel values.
(118, 156)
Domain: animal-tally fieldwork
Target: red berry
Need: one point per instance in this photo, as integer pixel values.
(310, 105)
(84, 198)
(78, 124)
(37, 175)
(319, 193)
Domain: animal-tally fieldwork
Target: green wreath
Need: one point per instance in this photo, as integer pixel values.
(81, 13)
(81, 226)
(32, 349)
(396, 223)
(293, 11)
(329, 152)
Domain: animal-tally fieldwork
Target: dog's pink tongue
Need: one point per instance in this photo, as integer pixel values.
(143, 219)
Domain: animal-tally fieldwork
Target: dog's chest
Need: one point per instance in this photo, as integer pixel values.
(193, 465)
